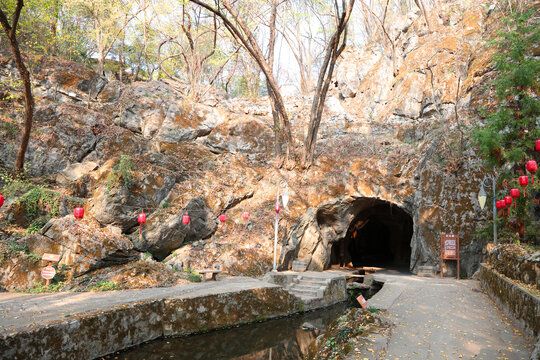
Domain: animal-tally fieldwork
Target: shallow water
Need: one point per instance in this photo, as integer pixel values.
(280, 339)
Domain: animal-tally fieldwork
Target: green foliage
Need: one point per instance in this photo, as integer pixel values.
(122, 173)
(194, 277)
(37, 224)
(34, 257)
(40, 198)
(13, 185)
(506, 137)
(40, 287)
(8, 130)
(509, 131)
(373, 310)
(165, 205)
(106, 286)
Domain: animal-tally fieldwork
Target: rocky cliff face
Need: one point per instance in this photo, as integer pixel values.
(396, 140)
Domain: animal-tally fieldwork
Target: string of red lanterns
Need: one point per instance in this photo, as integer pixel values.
(523, 180)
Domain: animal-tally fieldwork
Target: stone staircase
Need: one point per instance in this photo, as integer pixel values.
(308, 288)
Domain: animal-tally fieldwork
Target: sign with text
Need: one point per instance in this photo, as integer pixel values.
(50, 257)
(450, 246)
(449, 250)
(362, 301)
(48, 272)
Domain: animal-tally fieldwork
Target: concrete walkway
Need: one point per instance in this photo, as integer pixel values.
(26, 311)
(444, 319)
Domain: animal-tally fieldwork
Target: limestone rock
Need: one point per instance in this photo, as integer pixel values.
(243, 134)
(118, 204)
(165, 232)
(87, 249)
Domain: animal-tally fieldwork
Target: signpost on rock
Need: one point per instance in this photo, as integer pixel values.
(449, 250)
(48, 271)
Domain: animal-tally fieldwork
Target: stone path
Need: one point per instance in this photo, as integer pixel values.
(25, 311)
(444, 319)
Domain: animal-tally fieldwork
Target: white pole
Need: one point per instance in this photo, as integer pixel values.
(275, 240)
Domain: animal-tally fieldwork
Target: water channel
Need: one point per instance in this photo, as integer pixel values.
(280, 339)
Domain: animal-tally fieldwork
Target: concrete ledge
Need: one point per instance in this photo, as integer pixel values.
(98, 333)
(514, 299)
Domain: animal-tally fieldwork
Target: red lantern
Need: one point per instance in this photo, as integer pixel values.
(515, 194)
(532, 167)
(508, 201)
(1, 200)
(245, 216)
(222, 218)
(538, 145)
(141, 219)
(277, 208)
(185, 219)
(498, 206)
(501, 207)
(79, 214)
(523, 181)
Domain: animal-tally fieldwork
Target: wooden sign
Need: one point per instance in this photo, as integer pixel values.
(449, 250)
(449, 244)
(362, 301)
(51, 257)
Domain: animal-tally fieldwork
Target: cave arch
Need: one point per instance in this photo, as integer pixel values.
(379, 235)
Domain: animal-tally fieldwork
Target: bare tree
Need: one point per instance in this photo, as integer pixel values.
(334, 49)
(11, 33)
(422, 7)
(307, 48)
(241, 32)
(384, 30)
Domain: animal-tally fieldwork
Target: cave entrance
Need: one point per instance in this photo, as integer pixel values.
(379, 236)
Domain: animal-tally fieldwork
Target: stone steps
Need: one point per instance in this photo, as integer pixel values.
(308, 288)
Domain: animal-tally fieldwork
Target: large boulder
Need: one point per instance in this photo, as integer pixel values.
(241, 133)
(165, 232)
(155, 110)
(125, 187)
(81, 250)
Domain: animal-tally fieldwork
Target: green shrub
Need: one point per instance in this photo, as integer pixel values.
(194, 277)
(122, 173)
(106, 286)
(506, 137)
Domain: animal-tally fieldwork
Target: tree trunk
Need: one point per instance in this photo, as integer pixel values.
(11, 33)
(323, 83)
(244, 36)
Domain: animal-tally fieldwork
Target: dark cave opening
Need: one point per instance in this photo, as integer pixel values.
(380, 235)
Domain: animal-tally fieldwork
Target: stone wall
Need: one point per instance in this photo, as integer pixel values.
(83, 336)
(514, 299)
(516, 263)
